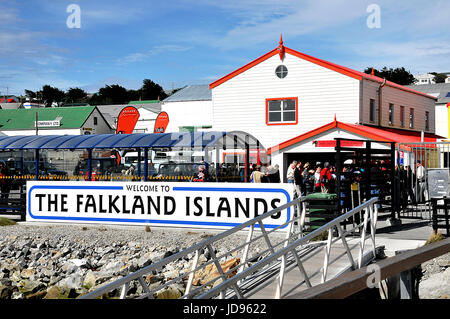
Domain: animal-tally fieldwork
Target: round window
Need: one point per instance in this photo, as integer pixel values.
(281, 71)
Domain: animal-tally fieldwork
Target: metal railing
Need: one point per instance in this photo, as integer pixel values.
(245, 268)
(401, 265)
(414, 193)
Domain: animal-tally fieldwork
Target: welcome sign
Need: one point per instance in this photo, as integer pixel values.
(196, 205)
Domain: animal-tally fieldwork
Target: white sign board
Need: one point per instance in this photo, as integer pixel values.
(54, 123)
(438, 182)
(196, 205)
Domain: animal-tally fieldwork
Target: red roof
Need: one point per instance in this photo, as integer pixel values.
(369, 132)
(332, 66)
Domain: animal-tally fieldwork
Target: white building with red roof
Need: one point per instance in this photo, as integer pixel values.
(289, 101)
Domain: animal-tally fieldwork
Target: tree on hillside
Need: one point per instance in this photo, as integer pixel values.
(397, 75)
(75, 95)
(134, 95)
(111, 94)
(439, 77)
(51, 94)
(30, 94)
(152, 91)
(116, 94)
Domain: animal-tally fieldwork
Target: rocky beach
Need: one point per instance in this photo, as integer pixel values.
(66, 261)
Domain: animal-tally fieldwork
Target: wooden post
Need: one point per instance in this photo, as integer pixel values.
(90, 164)
(145, 164)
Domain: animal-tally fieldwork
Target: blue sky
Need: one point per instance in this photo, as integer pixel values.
(179, 42)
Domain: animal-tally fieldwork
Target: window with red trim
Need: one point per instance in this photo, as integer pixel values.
(281, 111)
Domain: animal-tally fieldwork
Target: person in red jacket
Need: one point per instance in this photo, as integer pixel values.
(325, 178)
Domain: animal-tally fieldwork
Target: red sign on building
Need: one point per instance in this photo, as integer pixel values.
(127, 120)
(161, 123)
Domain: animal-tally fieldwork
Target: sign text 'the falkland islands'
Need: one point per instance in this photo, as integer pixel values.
(211, 205)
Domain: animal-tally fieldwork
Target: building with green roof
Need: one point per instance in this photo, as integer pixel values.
(58, 120)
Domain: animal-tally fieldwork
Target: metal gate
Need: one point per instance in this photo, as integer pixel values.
(365, 169)
(422, 173)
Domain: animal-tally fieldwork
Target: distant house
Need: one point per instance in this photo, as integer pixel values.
(442, 92)
(111, 113)
(189, 109)
(83, 120)
(423, 79)
(9, 102)
(427, 78)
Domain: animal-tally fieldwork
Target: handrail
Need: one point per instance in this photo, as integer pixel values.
(195, 248)
(303, 241)
(293, 238)
(355, 281)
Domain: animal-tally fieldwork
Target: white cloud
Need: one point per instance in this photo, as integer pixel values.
(416, 56)
(142, 56)
(110, 14)
(263, 21)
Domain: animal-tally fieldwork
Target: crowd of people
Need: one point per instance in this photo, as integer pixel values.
(321, 178)
(307, 179)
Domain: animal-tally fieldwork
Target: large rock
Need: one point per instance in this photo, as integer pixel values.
(55, 292)
(436, 286)
(95, 278)
(145, 260)
(28, 287)
(74, 281)
(6, 291)
(28, 273)
(114, 267)
(210, 272)
(170, 292)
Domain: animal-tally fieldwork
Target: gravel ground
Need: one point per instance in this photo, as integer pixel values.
(36, 258)
(101, 235)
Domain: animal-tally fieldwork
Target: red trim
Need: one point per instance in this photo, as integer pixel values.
(332, 66)
(332, 143)
(358, 129)
(281, 48)
(282, 123)
(329, 65)
(377, 134)
(302, 137)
